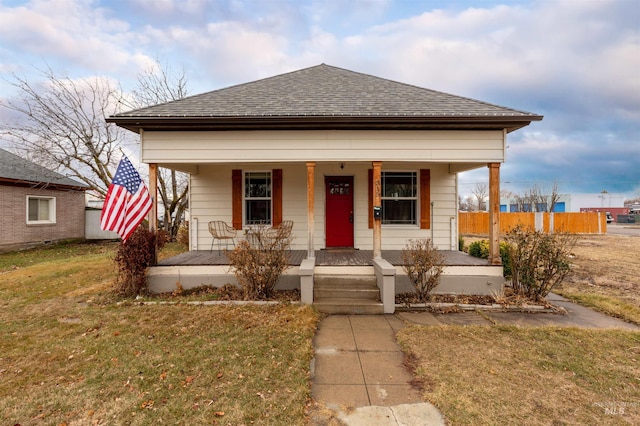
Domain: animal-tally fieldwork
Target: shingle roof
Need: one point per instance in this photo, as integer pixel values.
(18, 170)
(327, 94)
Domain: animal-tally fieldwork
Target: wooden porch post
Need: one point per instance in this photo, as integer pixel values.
(377, 203)
(153, 191)
(311, 169)
(153, 213)
(494, 214)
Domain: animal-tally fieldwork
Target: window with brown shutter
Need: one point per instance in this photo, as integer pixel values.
(425, 198)
(261, 200)
(399, 188)
(277, 196)
(236, 198)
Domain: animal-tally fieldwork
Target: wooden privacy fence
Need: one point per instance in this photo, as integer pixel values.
(574, 223)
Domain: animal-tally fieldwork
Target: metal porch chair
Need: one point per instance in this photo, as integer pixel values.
(220, 231)
(282, 231)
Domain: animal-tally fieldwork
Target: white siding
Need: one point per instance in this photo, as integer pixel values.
(199, 147)
(211, 200)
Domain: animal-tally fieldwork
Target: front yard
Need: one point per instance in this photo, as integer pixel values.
(69, 354)
(72, 353)
(606, 275)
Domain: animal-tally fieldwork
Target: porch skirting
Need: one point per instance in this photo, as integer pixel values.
(463, 274)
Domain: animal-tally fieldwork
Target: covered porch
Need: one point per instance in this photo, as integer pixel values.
(337, 257)
(349, 269)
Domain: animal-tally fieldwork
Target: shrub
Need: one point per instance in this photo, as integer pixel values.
(460, 243)
(423, 264)
(539, 261)
(480, 249)
(258, 265)
(183, 234)
(133, 258)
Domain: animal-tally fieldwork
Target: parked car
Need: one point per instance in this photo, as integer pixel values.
(609, 217)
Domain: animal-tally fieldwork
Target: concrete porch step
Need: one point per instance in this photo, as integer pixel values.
(347, 294)
(349, 307)
(367, 293)
(362, 287)
(341, 281)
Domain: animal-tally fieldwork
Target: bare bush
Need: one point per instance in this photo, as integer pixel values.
(259, 262)
(423, 264)
(539, 261)
(134, 257)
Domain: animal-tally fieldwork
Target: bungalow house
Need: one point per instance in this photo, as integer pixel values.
(39, 205)
(360, 164)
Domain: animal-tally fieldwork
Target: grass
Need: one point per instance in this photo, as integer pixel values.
(611, 305)
(69, 354)
(72, 353)
(504, 375)
(605, 275)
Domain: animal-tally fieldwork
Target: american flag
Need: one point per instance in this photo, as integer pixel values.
(127, 201)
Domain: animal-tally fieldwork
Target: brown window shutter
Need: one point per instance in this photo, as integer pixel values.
(236, 198)
(276, 176)
(370, 198)
(425, 198)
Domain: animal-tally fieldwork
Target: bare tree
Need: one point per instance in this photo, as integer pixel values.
(481, 193)
(470, 202)
(520, 203)
(553, 197)
(158, 84)
(60, 124)
(462, 204)
(542, 200)
(536, 199)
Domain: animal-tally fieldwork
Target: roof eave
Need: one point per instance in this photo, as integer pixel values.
(41, 185)
(510, 123)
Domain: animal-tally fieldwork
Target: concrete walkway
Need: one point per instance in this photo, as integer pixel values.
(359, 371)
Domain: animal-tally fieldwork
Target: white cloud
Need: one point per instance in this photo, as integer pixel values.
(574, 61)
(68, 34)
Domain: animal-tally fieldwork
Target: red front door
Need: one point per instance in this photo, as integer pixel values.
(339, 211)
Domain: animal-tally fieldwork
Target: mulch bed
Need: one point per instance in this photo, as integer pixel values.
(229, 292)
(233, 293)
(508, 299)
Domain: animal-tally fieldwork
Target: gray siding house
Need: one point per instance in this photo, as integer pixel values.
(358, 163)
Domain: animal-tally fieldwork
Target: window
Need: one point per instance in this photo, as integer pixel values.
(257, 198)
(541, 207)
(41, 210)
(399, 198)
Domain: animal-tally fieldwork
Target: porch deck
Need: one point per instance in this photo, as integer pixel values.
(344, 257)
(463, 274)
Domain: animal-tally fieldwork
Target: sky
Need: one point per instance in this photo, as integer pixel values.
(576, 62)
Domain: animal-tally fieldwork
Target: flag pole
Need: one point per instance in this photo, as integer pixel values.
(153, 213)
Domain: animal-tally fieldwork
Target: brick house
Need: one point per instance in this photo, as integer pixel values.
(39, 205)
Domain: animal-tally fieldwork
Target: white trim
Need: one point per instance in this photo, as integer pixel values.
(416, 198)
(51, 206)
(244, 196)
